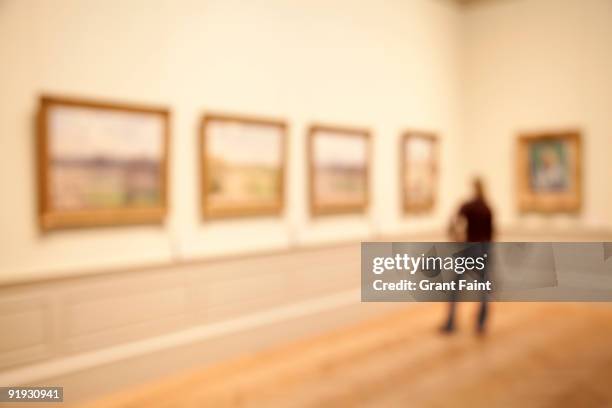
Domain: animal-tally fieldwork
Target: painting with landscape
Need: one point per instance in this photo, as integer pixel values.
(101, 164)
(339, 170)
(419, 171)
(243, 166)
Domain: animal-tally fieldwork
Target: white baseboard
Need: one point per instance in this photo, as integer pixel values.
(61, 366)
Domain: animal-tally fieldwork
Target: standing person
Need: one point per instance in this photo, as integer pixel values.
(473, 223)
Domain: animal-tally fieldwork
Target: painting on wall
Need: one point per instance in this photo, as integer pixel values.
(101, 163)
(549, 172)
(338, 168)
(243, 164)
(419, 175)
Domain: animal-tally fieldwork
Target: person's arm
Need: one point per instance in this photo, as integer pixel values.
(456, 228)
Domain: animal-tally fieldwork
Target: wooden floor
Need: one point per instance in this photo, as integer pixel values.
(534, 355)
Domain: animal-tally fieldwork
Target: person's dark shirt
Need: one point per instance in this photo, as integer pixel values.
(479, 220)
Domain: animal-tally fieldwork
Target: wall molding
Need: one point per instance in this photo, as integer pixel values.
(18, 279)
(61, 366)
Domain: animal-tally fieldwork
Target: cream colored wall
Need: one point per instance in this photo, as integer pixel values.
(533, 65)
(384, 65)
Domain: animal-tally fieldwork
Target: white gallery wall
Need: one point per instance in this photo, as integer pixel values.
(383, 65)
(477, 76)
(533, 65)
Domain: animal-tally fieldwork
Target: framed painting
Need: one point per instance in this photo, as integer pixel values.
(338, 160)
(419, 171)
(549, 172)
(242, 165)
(101, 163)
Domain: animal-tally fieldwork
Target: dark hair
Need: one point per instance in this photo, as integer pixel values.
(479, 188)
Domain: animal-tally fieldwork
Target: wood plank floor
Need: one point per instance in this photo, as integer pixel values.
(534, 355)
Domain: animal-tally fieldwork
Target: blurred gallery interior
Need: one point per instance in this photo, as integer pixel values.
(185, 186)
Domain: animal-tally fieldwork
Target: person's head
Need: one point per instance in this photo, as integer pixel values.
(550, 158)
(478, 188)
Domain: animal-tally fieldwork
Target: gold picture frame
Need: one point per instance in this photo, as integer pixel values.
(339, 177)
(418, 171)
(101, 163)
(242, 164)
(549, 169)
